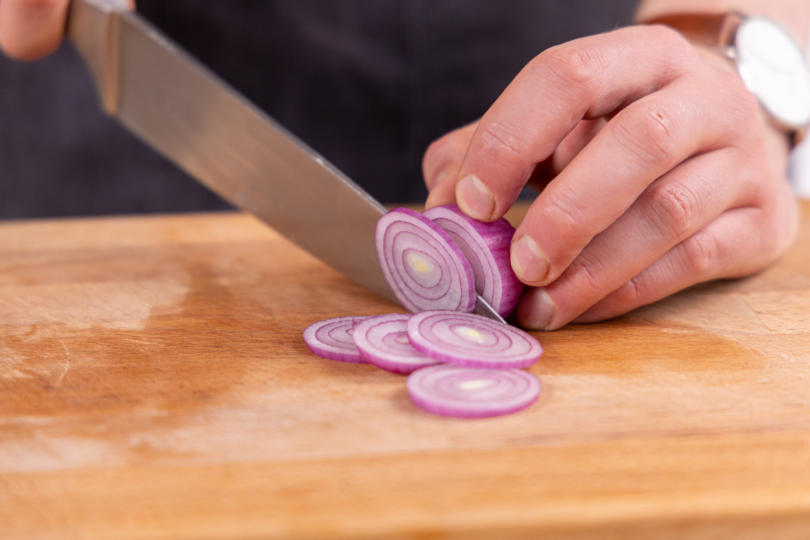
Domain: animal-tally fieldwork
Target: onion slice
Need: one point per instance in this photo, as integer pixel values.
(332, 339)
(487, 247)
(472, 393)
(424, 267)
(469, 340)
(383, 341)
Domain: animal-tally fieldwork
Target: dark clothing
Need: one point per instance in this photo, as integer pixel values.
(368, 83)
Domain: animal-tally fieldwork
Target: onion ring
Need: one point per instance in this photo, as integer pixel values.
(469, 340)
(472, 393)
(332, 339)
(383, 341)
(425, 269)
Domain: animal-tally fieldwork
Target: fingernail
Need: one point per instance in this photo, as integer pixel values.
(538, 312)
(529, 262)
(474, 198)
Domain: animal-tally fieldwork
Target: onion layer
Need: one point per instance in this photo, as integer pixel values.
(487, 247)
(383, 341)
(472, 393)
(469, 340)
(424, 267)
(332, 339)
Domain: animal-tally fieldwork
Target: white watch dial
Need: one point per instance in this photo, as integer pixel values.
(774, 69)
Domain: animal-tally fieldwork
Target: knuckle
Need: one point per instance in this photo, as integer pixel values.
(649, 132)
(567, 217)
(738, 93)
(444, 152)
(586, 272)
(435, 153)
(504, 141)
(676, 205)
(702, 252)
(670, 39)
(739, 102)
(744, 103)
(577, 66)
(631, 293)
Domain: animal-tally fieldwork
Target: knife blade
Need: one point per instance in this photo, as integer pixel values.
(171, 101)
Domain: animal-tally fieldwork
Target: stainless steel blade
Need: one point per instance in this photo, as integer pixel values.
(185, 112)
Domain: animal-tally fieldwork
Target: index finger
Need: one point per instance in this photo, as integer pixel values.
(585, 78)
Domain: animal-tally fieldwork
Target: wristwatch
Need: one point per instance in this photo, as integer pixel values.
(770, 63)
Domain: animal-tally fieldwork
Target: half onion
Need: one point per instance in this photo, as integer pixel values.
(424, 267)
(472, 393)
(383, 341)
(469, 340)
(487, 248)
(332, 339)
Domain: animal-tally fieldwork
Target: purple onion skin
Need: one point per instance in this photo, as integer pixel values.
(503, 293)
(441, 242)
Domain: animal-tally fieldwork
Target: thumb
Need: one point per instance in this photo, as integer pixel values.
(31, 29)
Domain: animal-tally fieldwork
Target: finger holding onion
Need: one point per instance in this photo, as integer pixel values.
(657, 171)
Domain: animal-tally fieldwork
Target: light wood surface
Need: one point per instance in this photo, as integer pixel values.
(154, 384)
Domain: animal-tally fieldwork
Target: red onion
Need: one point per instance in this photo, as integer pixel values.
(469, 340)
(332, 339)
(422, 264)
(487, 247)
(472, 393)
(383, 341)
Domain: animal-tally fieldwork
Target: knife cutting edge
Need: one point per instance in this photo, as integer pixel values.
(185, 112)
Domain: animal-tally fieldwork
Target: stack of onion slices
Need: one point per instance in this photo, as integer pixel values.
(435, 268)
(440, 259)
(481, 351)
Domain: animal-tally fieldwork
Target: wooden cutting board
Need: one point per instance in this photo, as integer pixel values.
(154, 384)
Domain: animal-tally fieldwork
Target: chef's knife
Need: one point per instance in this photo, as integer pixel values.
(181, 109)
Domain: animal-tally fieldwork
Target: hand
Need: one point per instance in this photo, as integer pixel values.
(657, 169)
(31, 29)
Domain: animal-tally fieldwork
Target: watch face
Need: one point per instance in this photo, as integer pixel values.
(774, 69)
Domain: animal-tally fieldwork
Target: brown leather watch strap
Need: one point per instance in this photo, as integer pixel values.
(712, 29)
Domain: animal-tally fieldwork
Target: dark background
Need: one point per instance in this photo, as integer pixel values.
(368, 83)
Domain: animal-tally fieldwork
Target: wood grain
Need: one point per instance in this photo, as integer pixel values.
(154, 384)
